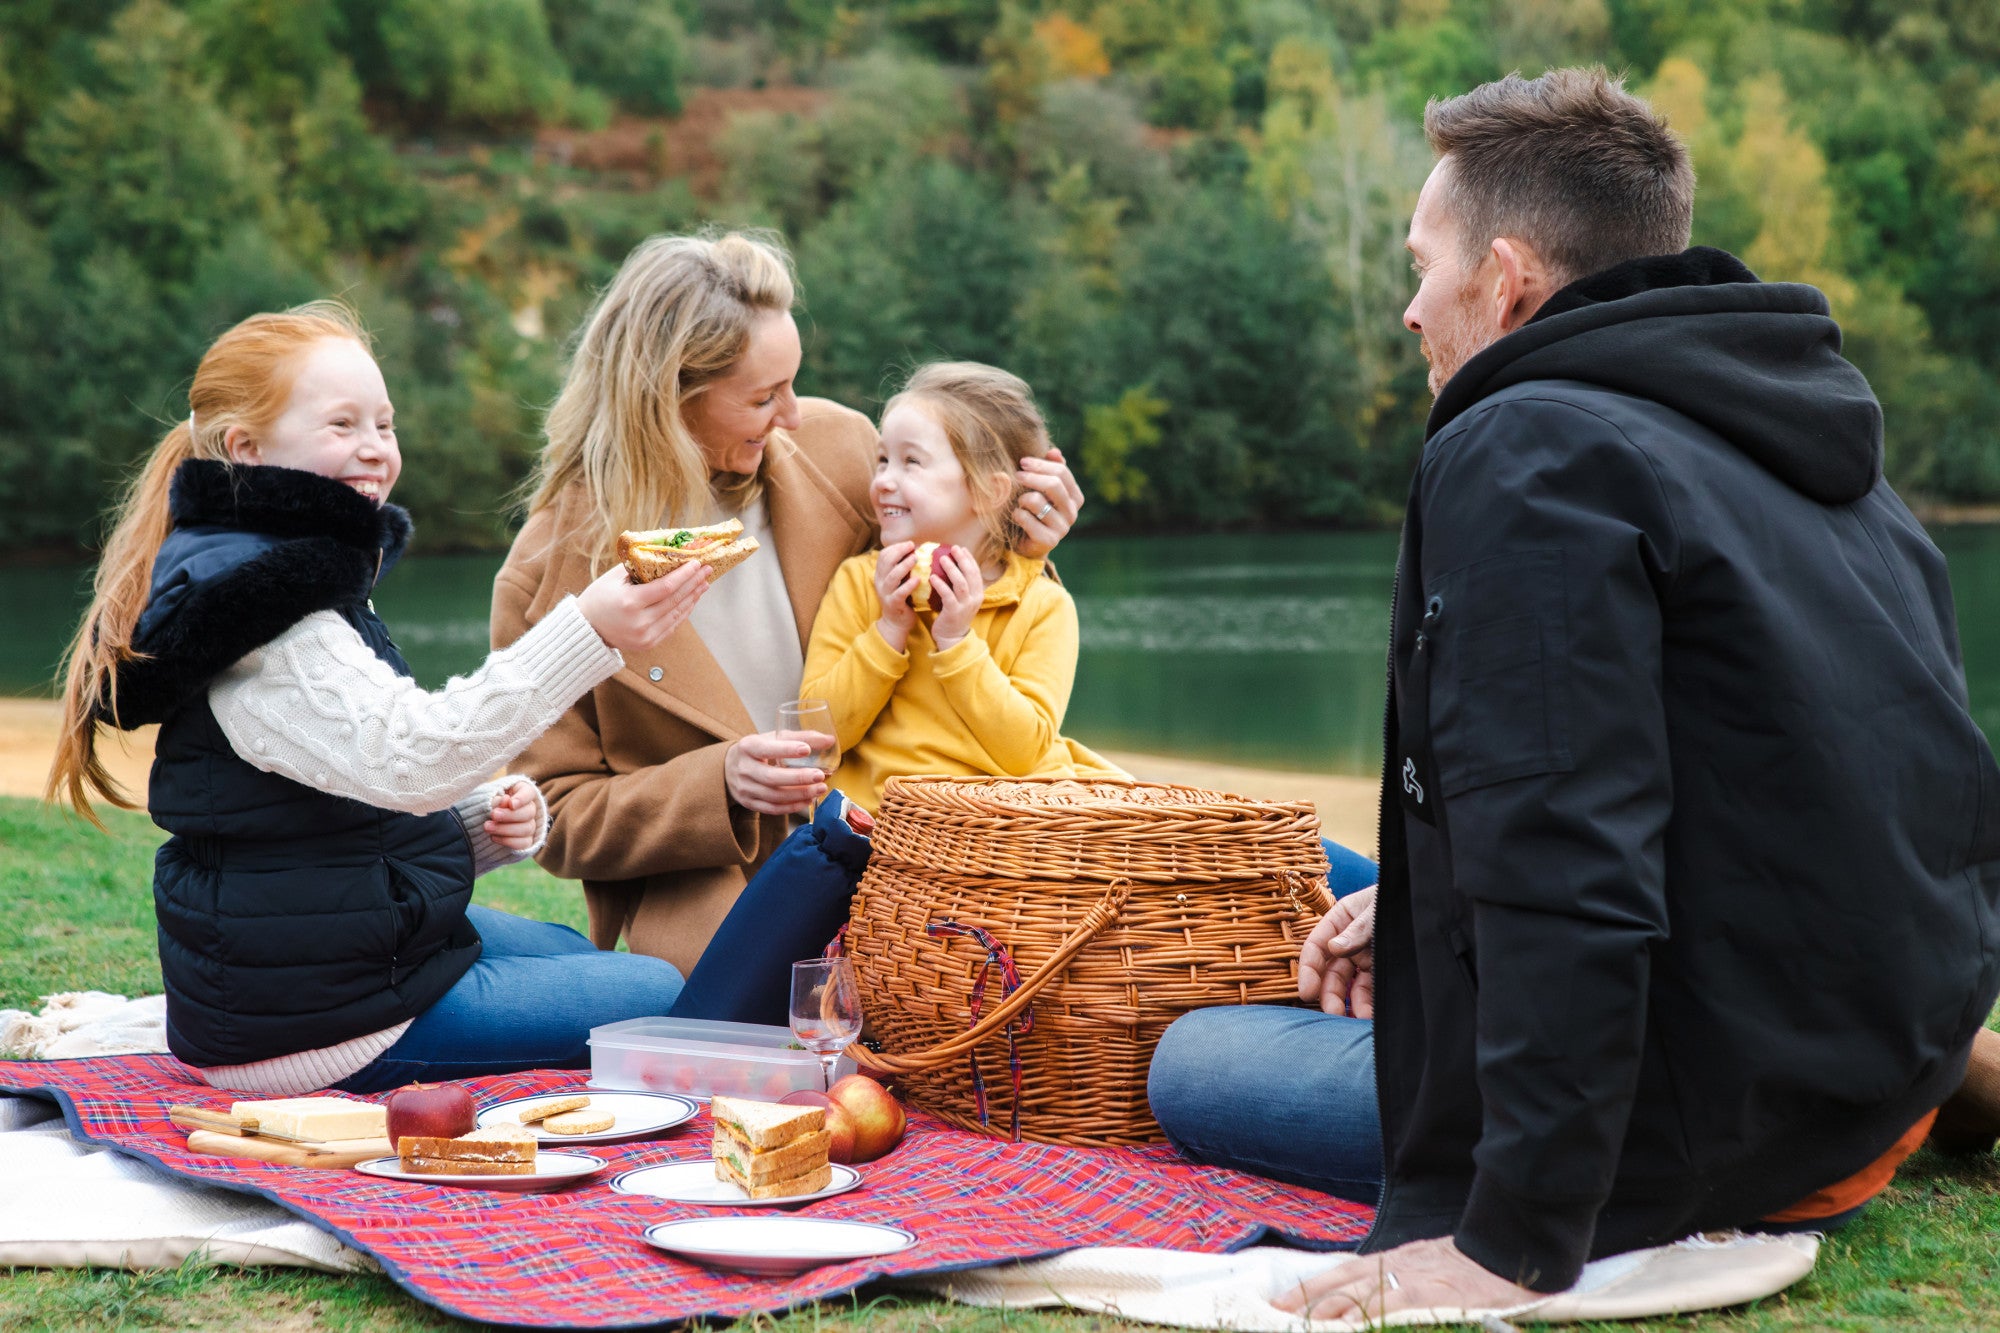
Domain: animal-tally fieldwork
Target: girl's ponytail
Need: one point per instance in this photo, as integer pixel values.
(104, 639)
(245, 379)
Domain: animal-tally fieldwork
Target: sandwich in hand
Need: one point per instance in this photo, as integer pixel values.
(768, 1150)
(720, 546)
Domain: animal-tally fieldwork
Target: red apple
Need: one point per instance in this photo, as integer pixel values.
(839, 1122)
(878, 1117)
(430, 1111)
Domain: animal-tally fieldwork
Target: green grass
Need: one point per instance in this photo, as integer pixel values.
(76, 913)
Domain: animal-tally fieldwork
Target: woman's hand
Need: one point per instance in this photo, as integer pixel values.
(633, 617)
(514, 817)
(895, 580)
(1337, 964)
(756, 779)
(1049, 502)
(957, 587)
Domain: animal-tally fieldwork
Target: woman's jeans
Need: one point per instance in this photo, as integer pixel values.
(1276, 1091)
(528, 1003)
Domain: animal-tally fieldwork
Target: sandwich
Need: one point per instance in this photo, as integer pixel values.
(498, 1150)
(921, 598)
(720, 546)
(768, 1150)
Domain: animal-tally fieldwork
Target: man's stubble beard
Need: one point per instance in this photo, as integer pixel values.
(1449, 345)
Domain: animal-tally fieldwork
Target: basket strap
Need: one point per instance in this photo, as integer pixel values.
(1096, 919)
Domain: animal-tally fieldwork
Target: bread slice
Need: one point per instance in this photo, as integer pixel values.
(448, 1166)
(720, 546)
(810, 1182)
(789, 1159)
(765, 1125)
(501, 1150)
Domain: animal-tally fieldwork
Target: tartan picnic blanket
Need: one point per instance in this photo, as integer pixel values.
(576, 1258)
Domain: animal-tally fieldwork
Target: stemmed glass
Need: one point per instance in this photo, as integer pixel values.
(810, 715)
(826, 1009)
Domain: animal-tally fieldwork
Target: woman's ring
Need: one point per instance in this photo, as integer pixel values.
(1048, 507)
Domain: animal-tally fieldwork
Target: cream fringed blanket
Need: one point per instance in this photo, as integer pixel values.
(75, 1024)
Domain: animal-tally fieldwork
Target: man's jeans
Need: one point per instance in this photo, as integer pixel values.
(528, 1003)
(1275, 1091)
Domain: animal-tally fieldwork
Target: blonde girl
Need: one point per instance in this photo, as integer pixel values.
(975, 680)
(327, 818)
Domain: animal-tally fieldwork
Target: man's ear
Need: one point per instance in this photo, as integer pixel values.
(1521, 283)
(236, 442)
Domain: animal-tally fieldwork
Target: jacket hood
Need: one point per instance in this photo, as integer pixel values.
(1759, 363)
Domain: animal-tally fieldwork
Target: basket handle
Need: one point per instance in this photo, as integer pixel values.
(1096, 919)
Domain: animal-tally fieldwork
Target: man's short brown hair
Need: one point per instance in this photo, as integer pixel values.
(1571, 163)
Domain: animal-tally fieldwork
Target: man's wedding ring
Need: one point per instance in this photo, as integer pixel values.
(1048, 507)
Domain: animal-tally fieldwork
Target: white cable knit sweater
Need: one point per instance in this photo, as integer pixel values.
(316, 705)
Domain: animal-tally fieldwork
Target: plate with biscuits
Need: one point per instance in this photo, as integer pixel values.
(589, 1116)
(499, 1157)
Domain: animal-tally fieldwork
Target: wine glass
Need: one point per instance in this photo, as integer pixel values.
(826, 1009)
(804, 715)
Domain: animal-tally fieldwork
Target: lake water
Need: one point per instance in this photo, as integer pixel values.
(1264, 650)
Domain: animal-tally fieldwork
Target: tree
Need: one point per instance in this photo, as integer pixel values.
(632, 49)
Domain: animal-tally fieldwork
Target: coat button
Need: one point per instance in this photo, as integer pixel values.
(655, 674)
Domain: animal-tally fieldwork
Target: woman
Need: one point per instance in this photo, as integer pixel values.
(666, 789)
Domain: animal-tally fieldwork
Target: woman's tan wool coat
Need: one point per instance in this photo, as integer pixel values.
(633, 773)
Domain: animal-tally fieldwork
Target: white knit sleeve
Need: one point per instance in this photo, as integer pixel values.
(317, 706)
(472, 811)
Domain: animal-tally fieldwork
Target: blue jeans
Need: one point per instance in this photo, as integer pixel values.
(528, 1003)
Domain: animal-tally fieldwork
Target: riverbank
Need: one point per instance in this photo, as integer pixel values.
(1346, 804)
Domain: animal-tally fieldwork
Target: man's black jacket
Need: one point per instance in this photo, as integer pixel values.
(1691, 850)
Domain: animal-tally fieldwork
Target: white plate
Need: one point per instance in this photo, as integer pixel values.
(640, 1115)
(695, 1182)
(776, 1246)
(552, 1170)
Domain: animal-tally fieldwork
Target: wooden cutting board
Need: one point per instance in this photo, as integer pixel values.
(337, 1155)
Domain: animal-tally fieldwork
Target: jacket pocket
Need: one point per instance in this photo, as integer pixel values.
(1499, 676)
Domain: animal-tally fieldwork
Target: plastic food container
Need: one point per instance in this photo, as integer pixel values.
(699, 1058)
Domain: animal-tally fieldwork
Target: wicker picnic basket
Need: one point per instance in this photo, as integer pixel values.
(1021, 945)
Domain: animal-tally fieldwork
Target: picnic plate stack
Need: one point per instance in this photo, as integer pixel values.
(1022, 944)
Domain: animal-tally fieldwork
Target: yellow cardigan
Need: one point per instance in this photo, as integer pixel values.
(990, 704)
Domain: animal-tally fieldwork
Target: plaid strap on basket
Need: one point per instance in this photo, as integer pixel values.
(1023, 1023)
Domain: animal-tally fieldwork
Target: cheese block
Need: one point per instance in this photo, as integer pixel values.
(321, 1119)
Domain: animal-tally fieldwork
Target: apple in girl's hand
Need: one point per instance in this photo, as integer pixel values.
(430, 1111)
(878, 1117)
(839, 1121)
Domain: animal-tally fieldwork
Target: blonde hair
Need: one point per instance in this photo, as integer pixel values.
(675, 319)
(992, 422)
(244, 379)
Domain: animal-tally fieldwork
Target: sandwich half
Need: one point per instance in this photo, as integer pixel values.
(720, 546)
(771, 1151)
(498, 1150)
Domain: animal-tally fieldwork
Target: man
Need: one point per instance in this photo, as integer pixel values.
(1690, 848)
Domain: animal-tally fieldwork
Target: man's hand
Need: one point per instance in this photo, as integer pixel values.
(514, 817)
(957, 587)
(1337, 964)
(757, 778)
(1421, 1275)
(895, 580)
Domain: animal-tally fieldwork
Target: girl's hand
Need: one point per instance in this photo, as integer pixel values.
(895, 581)
(633, 617)
(1045, 481)
(756, 780)
(957, 587)
(515, 817)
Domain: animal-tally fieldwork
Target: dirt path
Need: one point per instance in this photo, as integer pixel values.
(1346, 804)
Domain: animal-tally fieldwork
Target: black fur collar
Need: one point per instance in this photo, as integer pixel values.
(285, 502)
(303, 543)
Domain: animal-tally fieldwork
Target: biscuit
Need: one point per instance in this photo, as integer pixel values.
(580, 1122)
(554, 1106)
